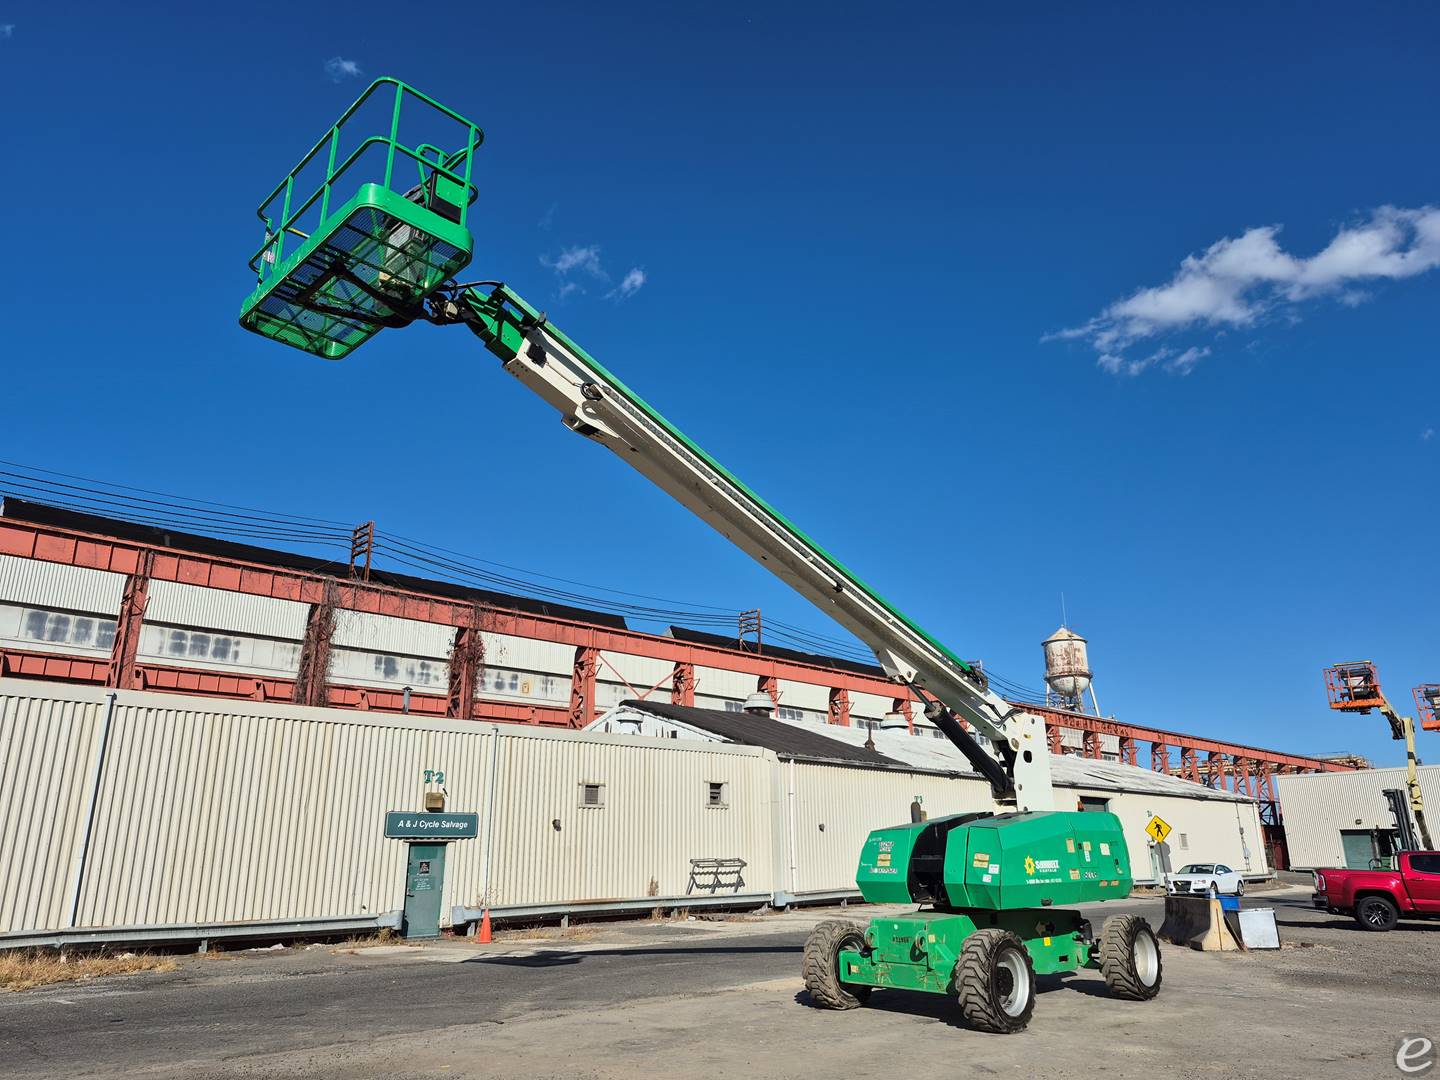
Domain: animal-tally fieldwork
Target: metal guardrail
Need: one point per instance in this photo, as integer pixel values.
(462, 915)
(202, 933)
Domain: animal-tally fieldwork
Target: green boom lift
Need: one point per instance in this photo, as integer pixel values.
(369, 231)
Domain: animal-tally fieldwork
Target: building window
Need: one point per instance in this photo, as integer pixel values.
(1184, 841)
(716, 794)
(58, 628)
(785, 713)
(1089, 802)
(733, 706)
(592, 795)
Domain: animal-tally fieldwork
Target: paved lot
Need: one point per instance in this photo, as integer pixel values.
(660, 1000)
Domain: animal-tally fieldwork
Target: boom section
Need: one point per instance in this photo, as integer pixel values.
(594, 403)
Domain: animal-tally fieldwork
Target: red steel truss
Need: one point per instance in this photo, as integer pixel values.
(1230, 766)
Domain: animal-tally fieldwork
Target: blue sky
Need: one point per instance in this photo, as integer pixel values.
(919, 276)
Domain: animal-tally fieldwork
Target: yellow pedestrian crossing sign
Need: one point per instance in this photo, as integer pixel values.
(1158, 828)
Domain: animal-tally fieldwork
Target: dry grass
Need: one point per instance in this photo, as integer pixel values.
(24, 970)
(367, 941)
(548, 933)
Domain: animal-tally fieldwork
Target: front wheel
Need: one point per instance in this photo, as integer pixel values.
(821, 966)
(1377, 913)
(1130, 958)
(1240, 887)
(995, 982)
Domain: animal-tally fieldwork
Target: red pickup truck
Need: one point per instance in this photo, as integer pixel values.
(1379, 898)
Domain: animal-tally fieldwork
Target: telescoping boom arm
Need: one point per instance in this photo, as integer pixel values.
(594, 403)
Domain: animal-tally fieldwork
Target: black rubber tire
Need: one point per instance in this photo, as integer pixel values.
(982, 981)
(1122, 936)
(1376, 914)
(1240, 888)
(821, 967)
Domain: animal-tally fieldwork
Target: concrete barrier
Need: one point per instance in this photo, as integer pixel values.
(1199, 923)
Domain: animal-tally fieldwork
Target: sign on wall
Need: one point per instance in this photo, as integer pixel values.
(414, 825)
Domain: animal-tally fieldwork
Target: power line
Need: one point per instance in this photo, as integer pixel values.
(170, 511)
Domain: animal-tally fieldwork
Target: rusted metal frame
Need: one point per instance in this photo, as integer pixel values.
(1081, 722)
(1091, 745)
(128, 624)
(1128, 750)
(52, 544)
(1160, 757)
(682, 684)
(1190, 764)
(839, 706)
(582, 685)
(312, 676)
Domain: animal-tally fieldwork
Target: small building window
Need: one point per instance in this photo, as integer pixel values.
(1184, 841)
(1090, 802)
(592, 795)
(733, 706)
(717, 794)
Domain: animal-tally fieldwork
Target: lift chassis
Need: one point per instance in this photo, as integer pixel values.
(365, 250)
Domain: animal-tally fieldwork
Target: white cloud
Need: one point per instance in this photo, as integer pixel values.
(1427, 434)
(1238, 281)
(576, 265)
(339, 69)
(547, 219)
(629, 285)
(7, 31)
(584, 259)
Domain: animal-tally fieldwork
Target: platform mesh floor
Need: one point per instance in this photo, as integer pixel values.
(316, 309)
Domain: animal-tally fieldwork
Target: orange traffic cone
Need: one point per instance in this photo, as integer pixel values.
(482, 935)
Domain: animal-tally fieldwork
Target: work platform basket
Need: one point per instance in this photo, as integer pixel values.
(355, 244)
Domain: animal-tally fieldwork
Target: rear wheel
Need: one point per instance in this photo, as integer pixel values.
(1240, 887)
(1377, 913)
(822, 965)
(1130, 958)
(995, 982)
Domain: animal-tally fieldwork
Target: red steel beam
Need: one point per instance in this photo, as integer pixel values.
(53, 544)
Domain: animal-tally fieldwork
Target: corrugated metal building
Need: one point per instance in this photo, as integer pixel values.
(1342, 819)
(182, 816)
(836, 781)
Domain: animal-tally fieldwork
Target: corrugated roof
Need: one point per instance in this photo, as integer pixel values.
(748, 730)
(898, 749)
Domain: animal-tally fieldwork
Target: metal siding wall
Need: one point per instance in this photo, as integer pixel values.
(719, 683)
(852, 802)
(179, 604)
(389, 634)
(1315, 807)
(1212, 826)
(252, 812)
(654, 819)
(233, 811)
(46, 758)
(641, 672)
(870, 706)
(529, 654)
(799, 695)
(54, 585)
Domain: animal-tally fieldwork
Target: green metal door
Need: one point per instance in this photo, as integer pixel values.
(1358, 846)
(424, 884)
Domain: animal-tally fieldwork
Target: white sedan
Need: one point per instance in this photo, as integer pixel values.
(1206, 879)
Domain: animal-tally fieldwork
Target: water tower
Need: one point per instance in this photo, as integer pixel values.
(1067, 670)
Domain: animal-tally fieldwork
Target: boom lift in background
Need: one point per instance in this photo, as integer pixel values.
(378, 234)
(1355, 687)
